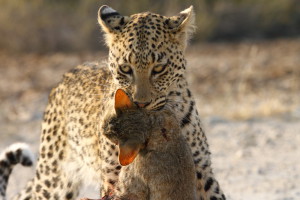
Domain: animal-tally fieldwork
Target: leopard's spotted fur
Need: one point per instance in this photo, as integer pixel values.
(18, 153)
(146, 59)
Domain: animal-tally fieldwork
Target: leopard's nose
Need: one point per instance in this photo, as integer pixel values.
(142, 104)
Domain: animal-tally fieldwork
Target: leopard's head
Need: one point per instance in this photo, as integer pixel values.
(146, 52)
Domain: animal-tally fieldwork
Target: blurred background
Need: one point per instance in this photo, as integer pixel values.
(70, 25)
(243, 67)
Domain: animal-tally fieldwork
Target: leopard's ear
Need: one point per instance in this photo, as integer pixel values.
(182, 25)
(128, 151)
(111, 23)
(110, 20)
(122, 101)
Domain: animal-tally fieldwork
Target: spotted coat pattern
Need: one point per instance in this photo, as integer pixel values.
(18, 153)
(146, 59)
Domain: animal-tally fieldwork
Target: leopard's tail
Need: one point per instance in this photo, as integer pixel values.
(14, 154)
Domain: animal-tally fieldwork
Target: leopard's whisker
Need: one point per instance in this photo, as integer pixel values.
(175, 101)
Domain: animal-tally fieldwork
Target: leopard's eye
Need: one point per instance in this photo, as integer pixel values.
(158, 69)
(126, 69)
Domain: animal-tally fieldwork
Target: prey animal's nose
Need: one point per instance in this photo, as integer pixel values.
(142, 104)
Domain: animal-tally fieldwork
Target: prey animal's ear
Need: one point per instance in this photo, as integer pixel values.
(182, 25)
(128, 151)
(110, 20)
(122, 101)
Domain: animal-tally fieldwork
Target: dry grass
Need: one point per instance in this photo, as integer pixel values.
(246, 80)
(237, 81)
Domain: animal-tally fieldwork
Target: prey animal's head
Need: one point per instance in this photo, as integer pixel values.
(130, 127)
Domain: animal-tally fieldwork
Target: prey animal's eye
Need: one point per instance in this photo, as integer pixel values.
(126, 69)
(158, 69)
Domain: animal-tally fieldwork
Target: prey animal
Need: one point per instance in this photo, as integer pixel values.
(157, 161)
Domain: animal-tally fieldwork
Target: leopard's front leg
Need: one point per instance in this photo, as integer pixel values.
(207, 186)
(110, 167)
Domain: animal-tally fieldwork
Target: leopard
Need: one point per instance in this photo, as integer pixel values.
(146, 59)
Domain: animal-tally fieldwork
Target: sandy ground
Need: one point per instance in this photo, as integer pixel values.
(255, 141)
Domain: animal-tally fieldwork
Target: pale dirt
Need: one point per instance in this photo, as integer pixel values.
(253, 160)
(253, 130)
